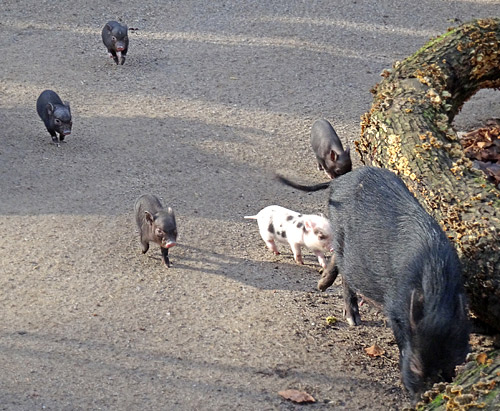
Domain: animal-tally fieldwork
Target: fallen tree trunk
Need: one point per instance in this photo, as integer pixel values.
(476, 387)
(408, 130)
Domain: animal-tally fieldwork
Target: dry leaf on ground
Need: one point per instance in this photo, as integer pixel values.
(483, 147)
(374, 351)
(297, 396)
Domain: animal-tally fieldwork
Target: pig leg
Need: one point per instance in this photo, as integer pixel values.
(124, 53)
(55, 140)
(113, 55)
(321, 258)
(121, 57)
(272, 246)
(329, 275)
(297, 253)
(351, 310)
(164, 255)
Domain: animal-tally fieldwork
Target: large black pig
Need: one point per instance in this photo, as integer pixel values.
(390, 250)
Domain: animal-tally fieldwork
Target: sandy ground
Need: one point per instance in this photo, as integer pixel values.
(214, 98)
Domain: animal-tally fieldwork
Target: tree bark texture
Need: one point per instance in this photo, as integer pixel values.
(408, 131)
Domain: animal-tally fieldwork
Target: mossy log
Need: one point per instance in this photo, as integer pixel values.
(408, 130)
(476, 387)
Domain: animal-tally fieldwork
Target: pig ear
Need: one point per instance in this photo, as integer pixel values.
(50, 108)
(149, 217)
(309, 224)
(108, 27)
(66, 103)
(348, 150)
(171, 213)
(333, 155)
(416, 366)
(416, 309)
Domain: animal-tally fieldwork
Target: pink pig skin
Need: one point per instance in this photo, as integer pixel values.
(278, 224)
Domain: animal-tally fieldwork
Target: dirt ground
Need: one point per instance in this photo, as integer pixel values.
(214, 98)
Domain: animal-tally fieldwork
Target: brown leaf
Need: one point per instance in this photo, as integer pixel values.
(374, 351)
(297, 396)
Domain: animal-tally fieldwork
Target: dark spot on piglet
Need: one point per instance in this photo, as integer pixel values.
(283, 234)
(300, 224)
(270, 228)
(290, 217)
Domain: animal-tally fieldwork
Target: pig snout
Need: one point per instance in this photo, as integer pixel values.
(168, 243)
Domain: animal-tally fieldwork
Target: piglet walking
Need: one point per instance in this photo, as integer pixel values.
(55, 114)
(115, 38)
(286, 226)
(155, 225)
(328, 149)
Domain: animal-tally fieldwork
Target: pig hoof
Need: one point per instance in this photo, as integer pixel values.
(353, 320)
(299, 260)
